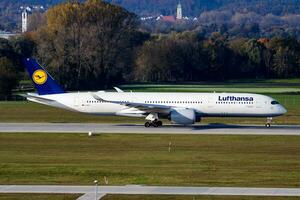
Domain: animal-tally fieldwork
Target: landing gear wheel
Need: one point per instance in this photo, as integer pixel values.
(268, 125)
(159, 123)
(147, 124)
(155, 124)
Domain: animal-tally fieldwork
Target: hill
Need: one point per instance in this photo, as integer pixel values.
(267, 14)
(43, 2)
(195, 7)
(10, 12)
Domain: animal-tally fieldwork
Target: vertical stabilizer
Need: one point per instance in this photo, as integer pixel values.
(42, 80)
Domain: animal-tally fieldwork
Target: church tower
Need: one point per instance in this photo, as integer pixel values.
(24, 21)
(179, 11)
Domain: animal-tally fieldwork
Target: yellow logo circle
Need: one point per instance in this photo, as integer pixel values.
(39, 77)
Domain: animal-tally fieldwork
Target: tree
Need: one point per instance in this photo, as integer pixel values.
(8, 76)
(36, 20)
(159, 61)
(285, 63)
(173, 58)
(219, 57)
(23, 45)
(254, 52)
(89, 45)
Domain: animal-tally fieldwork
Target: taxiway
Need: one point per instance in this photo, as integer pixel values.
(89, 191)
(218, 129)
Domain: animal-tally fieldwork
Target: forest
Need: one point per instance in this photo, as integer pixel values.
(264, 17)
(95, 45)
(195, 7)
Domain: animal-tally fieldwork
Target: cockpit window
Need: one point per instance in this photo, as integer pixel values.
(274, 102)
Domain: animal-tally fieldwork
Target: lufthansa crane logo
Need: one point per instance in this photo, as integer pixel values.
(39, 77)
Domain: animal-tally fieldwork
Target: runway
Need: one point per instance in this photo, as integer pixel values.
(218, 129)
(89, 191)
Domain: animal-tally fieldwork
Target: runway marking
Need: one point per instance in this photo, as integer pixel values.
(89, 191)
(214, 129)
(90, 196)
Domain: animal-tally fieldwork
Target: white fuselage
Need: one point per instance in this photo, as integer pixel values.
(204, 104)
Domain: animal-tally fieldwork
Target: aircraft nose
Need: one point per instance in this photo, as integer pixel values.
(282, 109)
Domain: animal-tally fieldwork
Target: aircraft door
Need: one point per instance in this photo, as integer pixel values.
(210, 106)
(259, 104)
(77, 101)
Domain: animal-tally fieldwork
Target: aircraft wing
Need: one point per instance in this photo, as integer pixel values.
(140, 106)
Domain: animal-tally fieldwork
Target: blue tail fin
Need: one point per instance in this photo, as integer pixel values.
(42, 80)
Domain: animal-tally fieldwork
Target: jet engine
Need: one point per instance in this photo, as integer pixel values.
(183, 116)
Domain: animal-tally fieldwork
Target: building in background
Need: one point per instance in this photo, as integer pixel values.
(24, 21)
(179, 12)
(178, 16)
(7, 35)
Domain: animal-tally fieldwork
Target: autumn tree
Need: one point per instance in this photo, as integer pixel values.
(89, 45)
(189, 57)
(286, 57)
(36, 20)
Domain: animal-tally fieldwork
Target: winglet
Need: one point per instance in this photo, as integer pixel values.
(118, 90)
(97, 97)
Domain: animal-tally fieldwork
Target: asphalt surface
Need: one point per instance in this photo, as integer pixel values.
(89, 191)
(140, 129)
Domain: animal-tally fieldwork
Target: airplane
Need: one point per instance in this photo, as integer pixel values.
(179, 108)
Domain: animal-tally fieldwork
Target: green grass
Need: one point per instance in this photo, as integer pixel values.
(292, 80)
(219, 89)
(161, 197)
(37, 197)
(194, 160)
(257, 161)
(22, 111)
(269, 86)
(252, 87)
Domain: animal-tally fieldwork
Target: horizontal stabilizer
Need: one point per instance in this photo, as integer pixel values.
(37, 98)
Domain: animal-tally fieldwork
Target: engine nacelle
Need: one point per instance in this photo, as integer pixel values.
(183, 116)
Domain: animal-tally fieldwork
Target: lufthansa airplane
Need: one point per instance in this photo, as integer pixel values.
(179, 108)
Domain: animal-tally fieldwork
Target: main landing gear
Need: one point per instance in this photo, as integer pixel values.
(154, 123)
(153, 120)
(269, 121)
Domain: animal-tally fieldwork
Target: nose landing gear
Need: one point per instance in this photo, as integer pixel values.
(269, 121)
